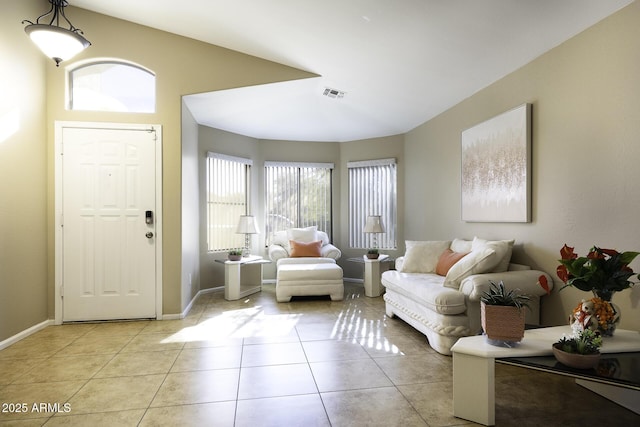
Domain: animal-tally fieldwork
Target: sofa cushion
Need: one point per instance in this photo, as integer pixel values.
(426, 290)
(503, 249)
(304, 235)
(422, 256)
(460, 245)
(302, 249)
(475, 262)
(446, 261)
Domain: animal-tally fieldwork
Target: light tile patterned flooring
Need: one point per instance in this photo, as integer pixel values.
(255, 362)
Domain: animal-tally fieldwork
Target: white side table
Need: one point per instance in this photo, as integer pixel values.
(242, 278)
(373, 268)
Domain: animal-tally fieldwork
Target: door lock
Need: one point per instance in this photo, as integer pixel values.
(149, 234)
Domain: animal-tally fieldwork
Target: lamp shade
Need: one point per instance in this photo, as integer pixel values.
(57, 43)
(247, 225)
(374, 224)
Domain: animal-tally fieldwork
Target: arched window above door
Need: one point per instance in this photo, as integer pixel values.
(112, 86)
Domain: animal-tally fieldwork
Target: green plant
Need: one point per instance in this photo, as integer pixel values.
(235, 252)
(498, 295)
(373, 251)
(604, 271)
(584, 342)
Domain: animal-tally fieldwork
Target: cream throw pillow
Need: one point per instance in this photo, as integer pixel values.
(422, 256)
(304, 235)
(459, 245)
(503, 249)
(476, 262)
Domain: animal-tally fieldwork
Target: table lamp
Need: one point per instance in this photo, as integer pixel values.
(247, 225)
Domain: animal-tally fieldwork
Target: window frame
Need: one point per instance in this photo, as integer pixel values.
(363, 201)
(243, 173)
(299, 221)
(96, 63)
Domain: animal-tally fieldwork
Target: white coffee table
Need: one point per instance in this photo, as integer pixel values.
(474, 366)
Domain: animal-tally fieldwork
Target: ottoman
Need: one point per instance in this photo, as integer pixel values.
(313, 278)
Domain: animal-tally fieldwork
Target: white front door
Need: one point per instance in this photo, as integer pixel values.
(108, 223)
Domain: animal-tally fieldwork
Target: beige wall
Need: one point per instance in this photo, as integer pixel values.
(23, 173)
(182, 66)
(586, 181)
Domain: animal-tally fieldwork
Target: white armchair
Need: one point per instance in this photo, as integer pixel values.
(309, 268)
(281, 248)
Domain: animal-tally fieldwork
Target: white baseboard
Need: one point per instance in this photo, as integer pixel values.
(189, 306)
(22, 335)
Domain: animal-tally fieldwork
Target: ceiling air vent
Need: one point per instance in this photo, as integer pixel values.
(333, 93)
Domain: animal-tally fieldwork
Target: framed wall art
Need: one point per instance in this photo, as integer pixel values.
(496, 168)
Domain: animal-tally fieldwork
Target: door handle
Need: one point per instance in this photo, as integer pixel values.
(149, 234)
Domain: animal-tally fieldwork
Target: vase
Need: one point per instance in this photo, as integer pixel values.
(575, 360)
(502, 324)
(598, 314)
(609, 313)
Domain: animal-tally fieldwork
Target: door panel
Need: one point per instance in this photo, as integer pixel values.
(108, 183)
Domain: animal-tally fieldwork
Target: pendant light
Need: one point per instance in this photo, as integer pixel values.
(56, 42)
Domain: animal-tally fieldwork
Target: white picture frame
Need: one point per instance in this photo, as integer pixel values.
(496, 168)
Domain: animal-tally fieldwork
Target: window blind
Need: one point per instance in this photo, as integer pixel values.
(372, 191)
(227, 196)
(297, 195)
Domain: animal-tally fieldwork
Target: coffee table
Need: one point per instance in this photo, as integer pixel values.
(474, 366)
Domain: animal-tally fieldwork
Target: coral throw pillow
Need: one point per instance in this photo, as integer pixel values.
(446, 261)
(301, 249)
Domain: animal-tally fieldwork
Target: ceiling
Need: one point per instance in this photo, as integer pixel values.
(399, 63)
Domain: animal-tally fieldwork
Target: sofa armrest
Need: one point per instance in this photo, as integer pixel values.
(277, 252)
(526, 281)
(330, 251)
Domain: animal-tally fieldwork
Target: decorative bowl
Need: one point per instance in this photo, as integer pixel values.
(575, 360)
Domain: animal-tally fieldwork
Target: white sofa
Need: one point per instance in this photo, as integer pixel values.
(306, 274)
(446, 306)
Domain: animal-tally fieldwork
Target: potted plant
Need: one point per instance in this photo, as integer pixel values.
(603, 272)
(234, 255)
(373, 254)
(581, 351)
(502, 313)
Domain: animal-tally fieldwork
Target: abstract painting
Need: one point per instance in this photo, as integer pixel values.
(496, 168)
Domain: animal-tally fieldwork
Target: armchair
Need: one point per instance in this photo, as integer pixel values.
(306, 264)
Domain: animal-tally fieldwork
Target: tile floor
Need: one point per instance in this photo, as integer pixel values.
(255, 362)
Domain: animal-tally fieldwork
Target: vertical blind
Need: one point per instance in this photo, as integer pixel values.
(297, 195)
(228, 180)
(372, 191)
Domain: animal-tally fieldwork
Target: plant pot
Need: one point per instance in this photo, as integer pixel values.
(575, 360)
(373, 256)
(502, 323)
(234, 257)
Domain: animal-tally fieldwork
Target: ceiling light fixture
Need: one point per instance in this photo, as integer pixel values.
(56, 42)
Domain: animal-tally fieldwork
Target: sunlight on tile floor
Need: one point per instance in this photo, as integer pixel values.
(256, 362)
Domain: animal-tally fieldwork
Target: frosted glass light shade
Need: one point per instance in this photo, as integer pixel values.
(57, 43)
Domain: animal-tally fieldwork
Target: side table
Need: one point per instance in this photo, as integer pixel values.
(242, 278)
(373, 268)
